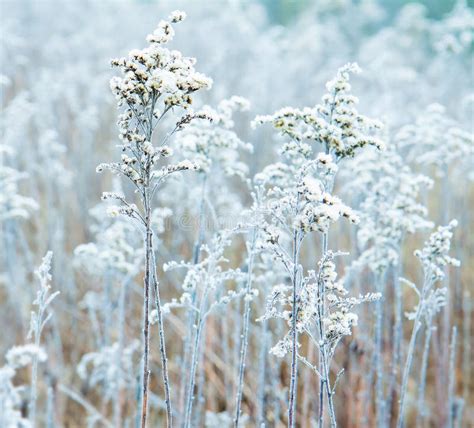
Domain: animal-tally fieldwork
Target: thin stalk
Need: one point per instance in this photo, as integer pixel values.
(379, 395)
(324, 381)
(34, 365)
(50, 408)
(466, 349)
(294, 335)
(161, 334)
(262, 369)
(424, 368)
(397, 337)
(191, 317)
(194, 362)
(406, 371)
(246, 328)
(329, 392)
(452, 379)
(146, 309)
(121, 320)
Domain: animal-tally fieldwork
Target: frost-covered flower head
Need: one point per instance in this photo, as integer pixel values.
(109, 367)
(21, 356)
(389, 206)
(12, 203)
(158, 73)
(434, 255)
(40, 317)
(154, 81)
(216, 142)
(335, 123)
(437, 139)
(11, 395)
(455, 33)
(116, 248)
(339, 317)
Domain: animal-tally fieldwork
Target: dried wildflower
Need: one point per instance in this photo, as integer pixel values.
(433, 257)
(154, 82)
(300, 201)
(215, 143)
(335, 124)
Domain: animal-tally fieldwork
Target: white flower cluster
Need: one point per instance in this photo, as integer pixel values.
(389, 209)
(338, 319)
(12, 397)
(208, 274)
(156, 72)
(436, 139)
(216, 143)
(21, 356)
(434, 255)
(322, 210)
(155, 80)
(335, 124)
(12, 203)
(116, 248)
(11, 400)
(109, 368)
(455, 33)
(43, 298)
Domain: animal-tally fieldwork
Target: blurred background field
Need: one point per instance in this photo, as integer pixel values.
(58, 122)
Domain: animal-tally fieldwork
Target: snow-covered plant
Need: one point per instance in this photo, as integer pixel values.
(217, 149)
(253, 223)
(300, 202)
(155, 82)
(390, 209)
(11, 396)
(433, 258)
(455, 33)
(437, 139)
(115, 249)
(390, 206)
(110, 369)
(204, 291)
(39, 318)
(13, 205)
(215, 146)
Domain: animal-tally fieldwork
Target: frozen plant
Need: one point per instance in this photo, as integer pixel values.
(437, 139)
(10, 394)
(206, 281)
(433, 258)
(253, 231)
(155, 82)
(216, 148)
(13, 205)
(39, 318)
(300, 202)
(116, 258)
(110, 368)
(390, 209)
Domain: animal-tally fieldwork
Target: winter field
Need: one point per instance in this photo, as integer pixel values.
(276, 233)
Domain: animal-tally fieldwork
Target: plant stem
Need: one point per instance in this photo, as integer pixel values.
(379, 395)
(452, 379)
(164, 359)
(146, 308)
(246, 328)
(406, 371)
(191, 317)
(262, 369)
(397, 336)
(424, 368)
(194, 361)
(294, 335)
